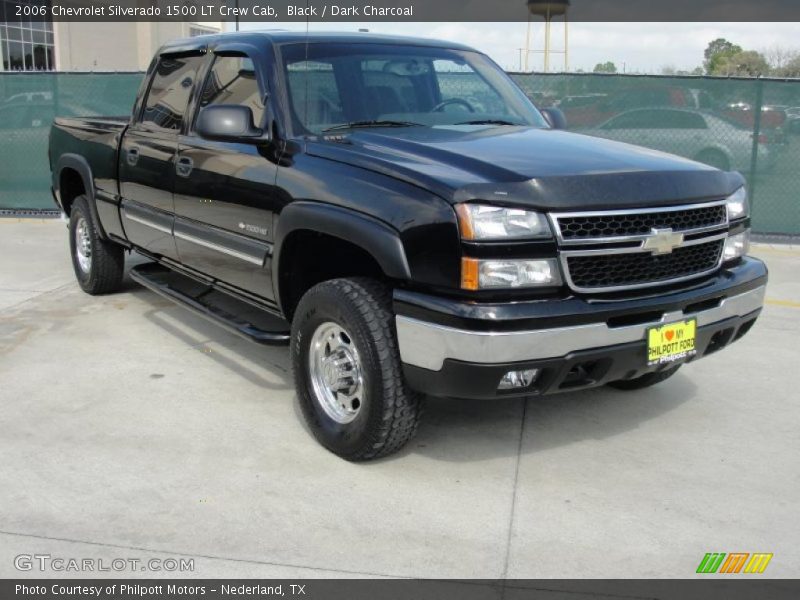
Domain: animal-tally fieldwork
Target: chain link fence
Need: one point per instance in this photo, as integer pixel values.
(28, 103)
(749, 125)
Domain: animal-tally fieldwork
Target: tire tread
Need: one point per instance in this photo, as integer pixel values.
(108, 258)
(402, 407)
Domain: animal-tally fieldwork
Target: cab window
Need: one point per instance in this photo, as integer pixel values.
(232, 80)
(169, 92)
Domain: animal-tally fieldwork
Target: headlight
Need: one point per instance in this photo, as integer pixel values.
(481, 222)
(738, 207)
(736, 246)
(493, 274)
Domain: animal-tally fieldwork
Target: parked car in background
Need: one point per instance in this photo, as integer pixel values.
(29, 97)
(24, 126)
(793, 120)
(772, 117)
(590, 110)
(694, 134)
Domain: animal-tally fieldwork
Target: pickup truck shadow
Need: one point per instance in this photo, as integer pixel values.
(267, 367)
(467, 430)
(452, 430)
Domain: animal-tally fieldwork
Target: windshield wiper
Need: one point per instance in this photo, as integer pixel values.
(367, 124)
(487, 122)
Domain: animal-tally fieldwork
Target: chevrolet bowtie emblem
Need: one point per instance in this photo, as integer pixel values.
(662, 241)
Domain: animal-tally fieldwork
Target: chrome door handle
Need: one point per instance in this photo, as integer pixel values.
(133, 156)
(184, 166)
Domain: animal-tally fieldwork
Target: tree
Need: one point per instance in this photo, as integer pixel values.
(779, 57)
(606, 67)
(745, 64)
(717, 51)
(790, 69)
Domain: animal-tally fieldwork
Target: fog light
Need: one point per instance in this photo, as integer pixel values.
(518, 379)
(736, 246)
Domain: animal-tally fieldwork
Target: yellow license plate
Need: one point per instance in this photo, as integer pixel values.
(671, 343)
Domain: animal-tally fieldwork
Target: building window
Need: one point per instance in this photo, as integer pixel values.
(25, 45)
(195, 31)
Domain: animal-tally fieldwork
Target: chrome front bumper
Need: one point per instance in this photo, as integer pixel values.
(428, 345)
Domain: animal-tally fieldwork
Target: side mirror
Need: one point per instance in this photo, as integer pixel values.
(228, 122)
(555, 117)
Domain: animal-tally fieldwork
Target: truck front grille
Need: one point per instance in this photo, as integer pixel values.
(620, 250)
(601, 226)
(626, 270)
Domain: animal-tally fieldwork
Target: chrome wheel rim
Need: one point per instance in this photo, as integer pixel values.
(336, 372)
(83, 245)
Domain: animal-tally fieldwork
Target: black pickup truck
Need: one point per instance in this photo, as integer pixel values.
(399, 213)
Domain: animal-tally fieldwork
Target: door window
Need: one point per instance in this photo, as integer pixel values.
(169, 92)
(658, 119)
(232, 80)
(637, 119)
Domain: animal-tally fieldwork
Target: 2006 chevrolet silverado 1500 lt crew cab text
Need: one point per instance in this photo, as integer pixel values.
(399, 213)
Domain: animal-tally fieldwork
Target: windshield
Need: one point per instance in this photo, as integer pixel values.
(337, 85)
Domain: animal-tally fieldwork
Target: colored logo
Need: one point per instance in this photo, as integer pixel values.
(735, 562)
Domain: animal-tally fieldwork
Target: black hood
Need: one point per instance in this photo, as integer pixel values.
(540, 168)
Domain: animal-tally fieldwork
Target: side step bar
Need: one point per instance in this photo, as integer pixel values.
(237, 316)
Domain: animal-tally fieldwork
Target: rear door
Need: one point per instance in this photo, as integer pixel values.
(147, 155)
(225, 191)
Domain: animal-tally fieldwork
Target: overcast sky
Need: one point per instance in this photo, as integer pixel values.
(640, 47)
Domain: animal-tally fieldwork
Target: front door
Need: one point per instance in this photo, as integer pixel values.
(147, 156)
(224, 191)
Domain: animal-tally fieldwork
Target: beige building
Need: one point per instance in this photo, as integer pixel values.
(27, 46)
(117, 46)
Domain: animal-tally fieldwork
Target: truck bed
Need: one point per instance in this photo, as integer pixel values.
(92, 139)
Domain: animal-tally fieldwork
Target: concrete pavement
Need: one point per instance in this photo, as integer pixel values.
(132, 428)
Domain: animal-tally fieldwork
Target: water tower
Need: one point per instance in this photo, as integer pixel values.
(548, 9)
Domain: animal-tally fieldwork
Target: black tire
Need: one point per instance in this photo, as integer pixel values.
(714, 158)
(388, 413)
(645, 380)
(102, 274)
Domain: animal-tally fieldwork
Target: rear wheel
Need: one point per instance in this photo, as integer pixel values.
(347, 370)
(98, 263)
(645, 380)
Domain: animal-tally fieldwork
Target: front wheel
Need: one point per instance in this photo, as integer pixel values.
(347, 370)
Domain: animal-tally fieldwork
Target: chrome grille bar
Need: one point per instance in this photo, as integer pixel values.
(713, 229)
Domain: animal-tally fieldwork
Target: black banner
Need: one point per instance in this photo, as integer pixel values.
(326, 589)
(277, 11)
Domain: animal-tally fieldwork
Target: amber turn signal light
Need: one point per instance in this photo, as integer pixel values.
(465, 222)
(469, 274)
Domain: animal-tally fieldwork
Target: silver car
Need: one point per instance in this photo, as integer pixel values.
(698, 135)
